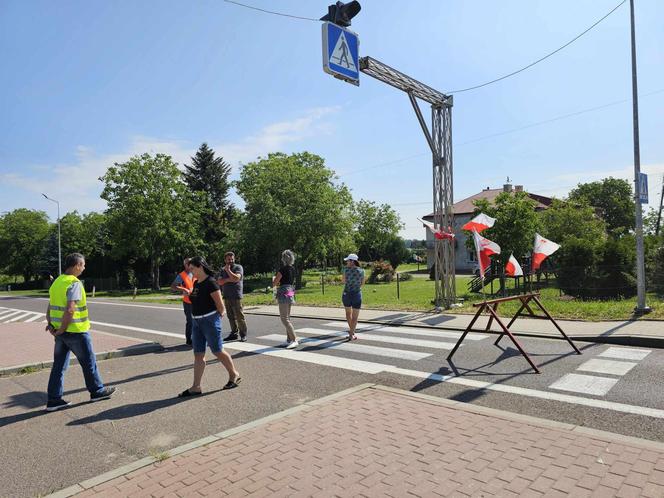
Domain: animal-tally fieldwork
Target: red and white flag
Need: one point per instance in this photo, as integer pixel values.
(440, 234)
(513, 268)
(543, 249)
(479, 223)
(484, 248)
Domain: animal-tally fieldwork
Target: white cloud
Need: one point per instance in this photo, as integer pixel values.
(80, 179)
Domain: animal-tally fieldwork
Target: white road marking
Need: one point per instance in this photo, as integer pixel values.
(129, 305)
(374, 368)
(379, 338)
(610, 367)
(352, 348)
(370, 367)
(626, 353)
(19, 316)
(586, 384)
(7, 315)
(138, 329)
(36, 317)
(409, 330)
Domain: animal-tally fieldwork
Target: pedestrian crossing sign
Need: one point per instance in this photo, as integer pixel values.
(341, 53)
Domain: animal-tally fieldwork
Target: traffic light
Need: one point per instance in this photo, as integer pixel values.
(341, 13)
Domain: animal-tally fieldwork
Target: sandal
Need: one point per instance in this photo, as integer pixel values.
(187, 393)
(232, 384)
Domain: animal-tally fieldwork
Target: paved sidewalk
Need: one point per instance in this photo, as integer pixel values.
(32, 347)
(377, 441)
(643, 333)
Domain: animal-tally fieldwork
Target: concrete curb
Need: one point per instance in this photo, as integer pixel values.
(148, 347)
(426, 398)
(625, 340)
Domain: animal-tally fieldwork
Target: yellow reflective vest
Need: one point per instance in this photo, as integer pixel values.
(58, 304)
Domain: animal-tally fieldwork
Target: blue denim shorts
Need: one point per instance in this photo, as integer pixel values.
(352, 299)
(207, 331)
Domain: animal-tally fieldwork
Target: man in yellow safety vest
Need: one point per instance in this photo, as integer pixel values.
(68, 323)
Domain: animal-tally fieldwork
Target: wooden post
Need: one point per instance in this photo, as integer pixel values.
(398, 292)
(322, 282)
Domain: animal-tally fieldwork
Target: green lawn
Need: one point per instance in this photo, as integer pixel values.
(415, 295)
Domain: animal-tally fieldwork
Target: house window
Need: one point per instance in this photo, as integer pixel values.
(471, 255)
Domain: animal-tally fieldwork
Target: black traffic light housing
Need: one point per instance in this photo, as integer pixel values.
(341, 13)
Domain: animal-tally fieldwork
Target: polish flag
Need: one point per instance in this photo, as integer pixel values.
(543, 248)
(484, 248)
(513, 268)
(479, 223)
(439, 234)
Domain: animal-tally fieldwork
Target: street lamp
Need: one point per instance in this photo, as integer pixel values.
(641, 306)
(59, 251)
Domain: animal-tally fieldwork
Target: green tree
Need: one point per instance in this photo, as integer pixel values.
(564, 220)
(614, 201)
(23, 236)
(376, 226)
(395, 251)
(292, 202)
(151, 214)
(210, 176)
(516, 223)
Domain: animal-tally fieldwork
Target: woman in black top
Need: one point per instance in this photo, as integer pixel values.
(284, 281)
(207, 308)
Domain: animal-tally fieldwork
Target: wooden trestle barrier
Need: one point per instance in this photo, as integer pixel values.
(491, 307)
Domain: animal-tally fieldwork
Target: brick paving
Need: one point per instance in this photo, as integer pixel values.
(32, 345)
(382, 442)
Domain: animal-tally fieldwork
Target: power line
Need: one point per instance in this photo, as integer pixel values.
(271, 11)
(538, 60)
(506, 132)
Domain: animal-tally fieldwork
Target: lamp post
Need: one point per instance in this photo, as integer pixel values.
(59, 250)
(641, 306)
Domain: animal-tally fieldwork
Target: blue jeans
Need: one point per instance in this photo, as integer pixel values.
(207, 332)
(81, 345)
(189, 321)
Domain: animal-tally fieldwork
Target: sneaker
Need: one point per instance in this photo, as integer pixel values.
(57, 404)
(243, 338)
(292, 345)
(231, 337)
(105, 393)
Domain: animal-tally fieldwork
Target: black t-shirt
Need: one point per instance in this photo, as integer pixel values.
(287, 275)
(201, 297)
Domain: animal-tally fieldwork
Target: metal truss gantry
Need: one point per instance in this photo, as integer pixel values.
(440, 143)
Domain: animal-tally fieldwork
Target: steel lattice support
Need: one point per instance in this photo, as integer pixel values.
(440, 143)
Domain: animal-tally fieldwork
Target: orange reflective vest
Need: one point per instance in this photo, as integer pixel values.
(187, 283)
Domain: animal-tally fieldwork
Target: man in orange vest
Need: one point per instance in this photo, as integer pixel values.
(184, 282)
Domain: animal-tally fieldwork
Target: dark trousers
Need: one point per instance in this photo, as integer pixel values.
(189, 321)
(81, 345)
(235, 314)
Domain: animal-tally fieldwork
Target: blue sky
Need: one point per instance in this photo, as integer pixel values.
(86, 84)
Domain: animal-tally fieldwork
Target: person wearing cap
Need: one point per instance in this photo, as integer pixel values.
(353, 279)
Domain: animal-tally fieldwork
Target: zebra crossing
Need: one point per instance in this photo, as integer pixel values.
(10, 315)
(621, 361)
(329, 337)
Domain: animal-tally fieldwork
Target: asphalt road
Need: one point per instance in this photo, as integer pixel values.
(610, 388)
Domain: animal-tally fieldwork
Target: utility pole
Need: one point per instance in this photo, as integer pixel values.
(641, 307)
(659, 213)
